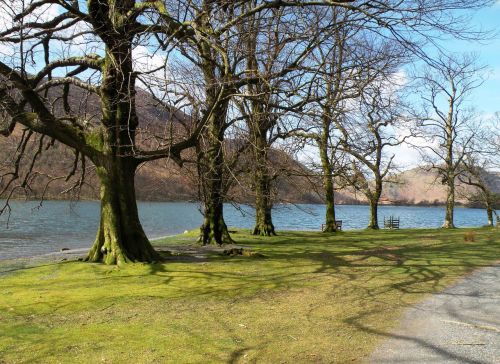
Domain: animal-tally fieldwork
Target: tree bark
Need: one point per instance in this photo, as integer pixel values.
(373, 214)
(263, 201)
(330, 225)
(214, 229)
(489, 212)
(374, 199)
(120, 237)
(263, 206)
(450, 203)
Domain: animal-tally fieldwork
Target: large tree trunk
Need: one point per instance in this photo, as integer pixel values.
(450, 203)
(263, 200)
(263, 206)
(489, 207)
(214, 229)
(374, 199)
(489, 213)
(120, 237)
(330, 225)
(373, 214)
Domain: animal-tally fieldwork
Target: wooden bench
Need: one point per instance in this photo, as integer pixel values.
(391, 223)
(338, 224)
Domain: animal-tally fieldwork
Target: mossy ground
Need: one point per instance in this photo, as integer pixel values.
(314, 297)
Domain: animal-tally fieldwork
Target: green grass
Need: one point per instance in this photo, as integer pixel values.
(313, 297)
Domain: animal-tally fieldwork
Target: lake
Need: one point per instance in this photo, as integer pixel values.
(33, 230)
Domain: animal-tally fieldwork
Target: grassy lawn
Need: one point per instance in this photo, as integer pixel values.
(307, 297)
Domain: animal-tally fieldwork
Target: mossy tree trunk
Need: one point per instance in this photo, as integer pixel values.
(263, 200)
(120, 237)
(374, 198)
(330, 225)
(450, 203)
(489, 213)
(488, 202)
(260, 120)
(449, 178)
(216, 76)
(214, 229)
(373, 224)
(450, 164)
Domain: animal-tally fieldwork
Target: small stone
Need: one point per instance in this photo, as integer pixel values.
(64, 249)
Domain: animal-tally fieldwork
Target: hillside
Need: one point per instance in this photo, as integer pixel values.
(165, 181)
(158, 181)
(421, 187)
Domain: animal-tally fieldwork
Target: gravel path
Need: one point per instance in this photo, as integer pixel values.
(459, 325)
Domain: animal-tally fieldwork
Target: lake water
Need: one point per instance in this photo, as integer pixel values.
(33, 230)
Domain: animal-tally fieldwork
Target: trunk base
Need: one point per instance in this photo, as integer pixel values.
(214, 235)
(120, 238)
(448, 225)
(330, 228)
(121, 243)
(264, 230)
(109, 251)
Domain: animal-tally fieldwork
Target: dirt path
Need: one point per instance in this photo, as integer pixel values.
(459, 325)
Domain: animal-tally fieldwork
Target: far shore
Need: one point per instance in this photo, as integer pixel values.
(249, 203)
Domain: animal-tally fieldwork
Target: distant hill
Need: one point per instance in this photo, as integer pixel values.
(164, 181)
(156, 181)
(419, 186)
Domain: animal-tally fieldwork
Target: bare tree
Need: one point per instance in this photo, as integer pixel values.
(38, 80)
(478, 180)
(56, 47)
(447, 120)
(475, 174)
(275, 49)
(347, 63)
(368, 134)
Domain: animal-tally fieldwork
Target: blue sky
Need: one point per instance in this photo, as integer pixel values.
(486, 98)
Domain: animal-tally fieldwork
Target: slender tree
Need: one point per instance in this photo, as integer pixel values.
(447, 119)
(475, 174)
(368, 136)
(273, 60)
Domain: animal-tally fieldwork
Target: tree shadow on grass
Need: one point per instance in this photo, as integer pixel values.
(383, 254)
(350, 260)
